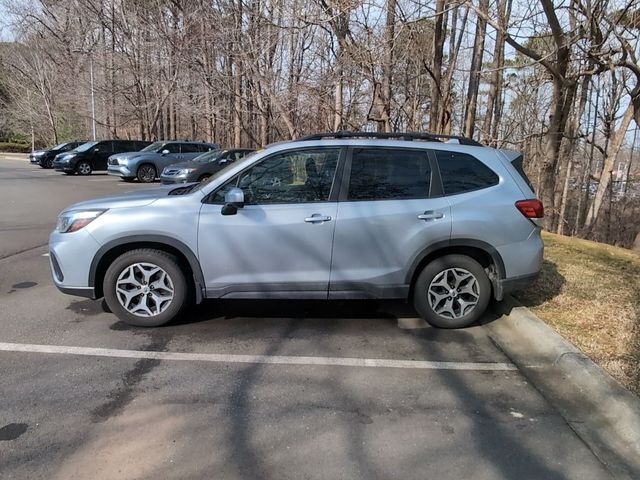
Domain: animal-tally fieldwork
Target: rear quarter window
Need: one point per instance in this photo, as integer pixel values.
(462, 173)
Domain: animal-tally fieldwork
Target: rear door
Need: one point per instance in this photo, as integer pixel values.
(390, 210)
(189, 151)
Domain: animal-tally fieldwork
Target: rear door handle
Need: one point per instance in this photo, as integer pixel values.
(430, 215)
(317, 218)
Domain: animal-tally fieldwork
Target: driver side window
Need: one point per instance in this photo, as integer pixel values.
(291, 177)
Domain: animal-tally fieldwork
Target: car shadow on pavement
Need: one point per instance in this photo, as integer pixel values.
(547, 286)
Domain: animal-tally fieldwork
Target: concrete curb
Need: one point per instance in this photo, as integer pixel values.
(14, 156)
(602, 412)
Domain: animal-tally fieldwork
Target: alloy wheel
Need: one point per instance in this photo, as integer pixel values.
(146, 174)
(453, 293)
(144, 289)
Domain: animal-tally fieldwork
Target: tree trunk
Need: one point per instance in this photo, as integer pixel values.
(474, 74)
(607, 167)
(436, 80)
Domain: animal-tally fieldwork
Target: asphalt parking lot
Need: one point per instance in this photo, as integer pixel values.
(248, 389)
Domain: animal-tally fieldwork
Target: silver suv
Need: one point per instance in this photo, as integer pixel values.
(445, 225)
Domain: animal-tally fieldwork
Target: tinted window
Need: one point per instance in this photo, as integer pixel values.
(463, 173)
(122, 146)
(290, 177)
(191, 148)
(172, 147)
(389, 174)
(104, 147)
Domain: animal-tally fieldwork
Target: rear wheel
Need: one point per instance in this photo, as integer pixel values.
(452, 292)
(146, 173)
(145, 287)
(83, 168)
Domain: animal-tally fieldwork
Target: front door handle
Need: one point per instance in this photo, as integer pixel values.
(317, 218)
(430, 215)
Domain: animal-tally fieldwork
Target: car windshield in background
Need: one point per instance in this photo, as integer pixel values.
(207, 157)
(153, 147)
(59, 146)
(85, 146)
(225, 169)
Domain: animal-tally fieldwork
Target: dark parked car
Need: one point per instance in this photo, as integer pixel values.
(147, 164)
(201, 167)
(92, 156)
(44, 158)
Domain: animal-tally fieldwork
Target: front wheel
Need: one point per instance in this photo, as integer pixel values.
(145, 287)
(84, 168)
(452, 291)
(146, 173)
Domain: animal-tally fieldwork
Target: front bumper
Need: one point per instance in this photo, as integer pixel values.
(120, 171)
(35, 160)
(64, 167)
(172, 180)
(70, 257)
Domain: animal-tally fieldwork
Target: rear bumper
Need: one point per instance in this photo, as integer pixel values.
(509, 285)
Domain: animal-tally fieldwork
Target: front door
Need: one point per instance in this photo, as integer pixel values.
(279, 244)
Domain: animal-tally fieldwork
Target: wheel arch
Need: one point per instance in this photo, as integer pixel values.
(485, 254)
(111, 250)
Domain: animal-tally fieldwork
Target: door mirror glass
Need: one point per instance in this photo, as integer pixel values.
(233, 200)
(165, 152)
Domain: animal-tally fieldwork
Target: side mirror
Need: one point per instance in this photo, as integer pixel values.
(165, 152)
(233, 200)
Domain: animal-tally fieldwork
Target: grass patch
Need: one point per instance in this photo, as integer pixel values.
(590, 293)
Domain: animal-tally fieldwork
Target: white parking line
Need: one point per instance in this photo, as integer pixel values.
(101, 180)
(45, 254)
(261, 359)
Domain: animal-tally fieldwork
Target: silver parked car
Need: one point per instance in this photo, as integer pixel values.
(149, 162)
(446, 225)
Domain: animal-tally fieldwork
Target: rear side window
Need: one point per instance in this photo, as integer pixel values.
(389, 174)
(463, 173)
(517, 164)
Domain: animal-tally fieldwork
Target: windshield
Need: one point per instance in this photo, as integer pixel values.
(85, 146)
(155, 146)
(208, 157)
(224, 170)
(60, 146)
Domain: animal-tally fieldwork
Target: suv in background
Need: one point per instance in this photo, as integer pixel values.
(44, 158)
(147, 164)
(201, 167)
(92, 156)
(343, 215)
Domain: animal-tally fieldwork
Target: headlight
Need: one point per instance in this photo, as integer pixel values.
(186, 171)
(73, 221)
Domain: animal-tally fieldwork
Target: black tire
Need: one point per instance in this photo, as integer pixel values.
(47, 163)
(204, 177)
(167, 262)
(422, 299)
(84, 168)
(146, 173)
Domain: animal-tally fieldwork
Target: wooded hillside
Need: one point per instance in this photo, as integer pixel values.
(556, 80)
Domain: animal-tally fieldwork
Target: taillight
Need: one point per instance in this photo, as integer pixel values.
(531, 208)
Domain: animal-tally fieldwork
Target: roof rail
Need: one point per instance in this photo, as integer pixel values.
(407, 136)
